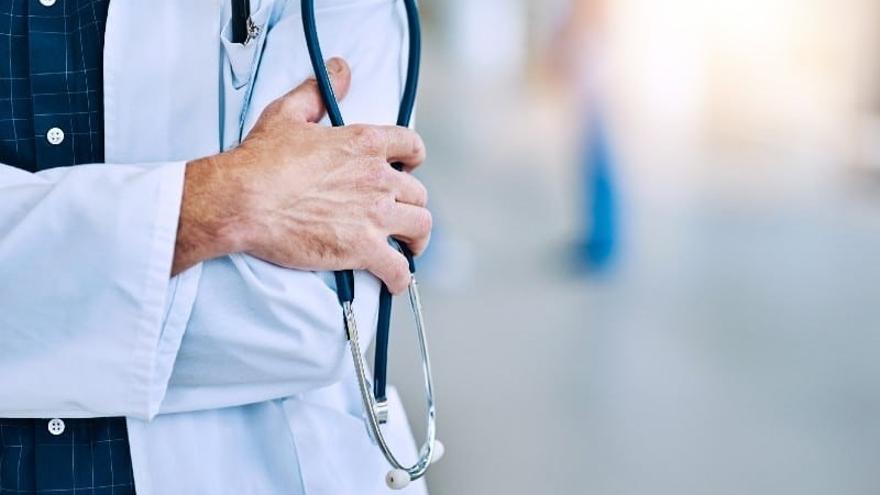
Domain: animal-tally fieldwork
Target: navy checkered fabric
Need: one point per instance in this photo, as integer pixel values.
(91, 457)
(51, 54)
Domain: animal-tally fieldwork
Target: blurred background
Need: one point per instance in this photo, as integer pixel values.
(655, 267)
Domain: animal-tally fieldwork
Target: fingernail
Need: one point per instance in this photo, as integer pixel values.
(334, 65)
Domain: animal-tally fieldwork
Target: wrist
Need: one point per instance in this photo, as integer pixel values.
(225, 202)
(211, 215)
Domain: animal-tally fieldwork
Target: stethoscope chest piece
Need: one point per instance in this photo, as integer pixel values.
(376, 412)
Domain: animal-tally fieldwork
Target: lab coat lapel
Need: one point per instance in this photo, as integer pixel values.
(162, 80)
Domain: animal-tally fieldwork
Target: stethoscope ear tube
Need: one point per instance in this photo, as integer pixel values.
(374, 397)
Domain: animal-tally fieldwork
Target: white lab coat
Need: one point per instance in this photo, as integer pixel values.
(234, 375)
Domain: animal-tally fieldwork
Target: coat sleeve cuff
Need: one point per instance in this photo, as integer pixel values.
(169, 302)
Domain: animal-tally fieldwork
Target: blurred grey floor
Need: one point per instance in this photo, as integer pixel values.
(734, 349)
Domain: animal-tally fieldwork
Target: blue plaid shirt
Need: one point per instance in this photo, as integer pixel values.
(51, 55)
(51, 115)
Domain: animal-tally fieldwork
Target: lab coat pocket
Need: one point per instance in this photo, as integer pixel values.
(241, 62)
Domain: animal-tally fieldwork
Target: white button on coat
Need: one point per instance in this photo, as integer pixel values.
(55, 135)
(47, 3)
(56, 426)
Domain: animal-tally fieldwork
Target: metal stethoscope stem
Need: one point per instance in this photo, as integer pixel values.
(375, 404)
(375, 412)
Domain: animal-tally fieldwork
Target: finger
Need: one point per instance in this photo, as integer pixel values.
(304, 104)
(409, 190)
(412, 225)
(391, 268)
(403, 145)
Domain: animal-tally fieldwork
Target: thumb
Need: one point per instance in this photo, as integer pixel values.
(304, 103)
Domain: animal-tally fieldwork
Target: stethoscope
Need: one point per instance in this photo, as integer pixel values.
(373, 396)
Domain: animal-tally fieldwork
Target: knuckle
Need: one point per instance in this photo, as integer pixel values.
(419, 148)
(425, 222)
(367, 139)
(422, 246)
(287, 104)
(422, 194)
(380, 170)
(381, 209)
(386, 204)
(366, 247)
(381, 175)
(376, 175)
(362, 247)
(310, 84)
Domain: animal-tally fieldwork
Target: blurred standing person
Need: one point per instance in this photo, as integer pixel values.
(580, 56)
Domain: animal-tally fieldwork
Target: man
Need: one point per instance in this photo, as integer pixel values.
(162, 329)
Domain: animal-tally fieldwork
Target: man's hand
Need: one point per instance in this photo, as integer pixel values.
(306, 196)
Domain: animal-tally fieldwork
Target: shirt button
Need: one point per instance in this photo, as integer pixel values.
(47, 3)
(56, 426)
(55, 135)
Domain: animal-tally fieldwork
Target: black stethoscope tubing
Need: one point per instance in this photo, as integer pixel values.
(241, 12)
(373, 395)
(345, 278)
